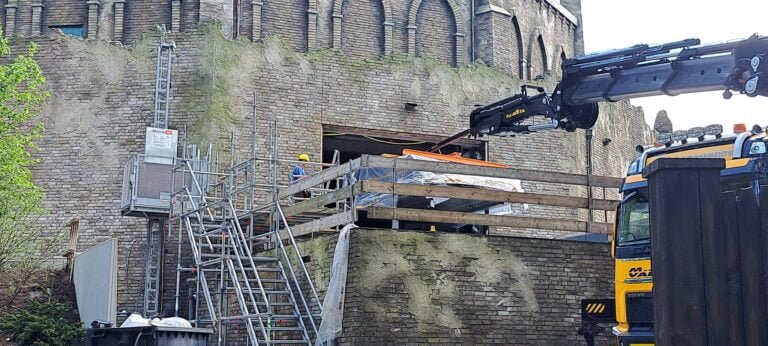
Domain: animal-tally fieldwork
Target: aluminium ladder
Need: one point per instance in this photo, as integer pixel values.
(163, 82)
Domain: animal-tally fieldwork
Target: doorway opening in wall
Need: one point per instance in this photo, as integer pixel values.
(343, 144)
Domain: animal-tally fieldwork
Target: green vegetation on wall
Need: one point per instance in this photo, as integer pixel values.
(228, 70)
(21, 97)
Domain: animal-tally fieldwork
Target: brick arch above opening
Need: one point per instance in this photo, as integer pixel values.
(538, 60)
(518, 52)
(458, 18)
(387, 22)
(560, 58)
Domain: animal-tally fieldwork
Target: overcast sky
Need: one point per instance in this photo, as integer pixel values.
(612, 24)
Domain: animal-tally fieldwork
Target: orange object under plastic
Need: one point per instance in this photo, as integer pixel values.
(454, 157)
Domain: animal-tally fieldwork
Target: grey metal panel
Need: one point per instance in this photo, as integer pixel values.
(95, 278)
(147, 185)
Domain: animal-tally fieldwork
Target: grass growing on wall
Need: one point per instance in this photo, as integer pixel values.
(228, 71)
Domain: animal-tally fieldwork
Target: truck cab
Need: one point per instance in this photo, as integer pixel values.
(744, 152)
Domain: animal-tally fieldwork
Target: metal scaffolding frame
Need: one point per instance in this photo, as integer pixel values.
(247, 268)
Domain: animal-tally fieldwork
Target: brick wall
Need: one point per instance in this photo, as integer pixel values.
(102, 98)
(363, 28)
(435, 31)
(438, 28)
(411, 287)
(65, 12)
(142, 16)
(287, 18)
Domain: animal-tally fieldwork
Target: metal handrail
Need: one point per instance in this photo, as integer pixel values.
(232, 273)
(197, 184)
(236, 282)
(239, 242)
(303, 267)
(200, 273)
(243, 305)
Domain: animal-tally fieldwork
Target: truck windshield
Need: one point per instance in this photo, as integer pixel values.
(633, 221)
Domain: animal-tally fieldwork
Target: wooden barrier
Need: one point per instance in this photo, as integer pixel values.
(322, 219)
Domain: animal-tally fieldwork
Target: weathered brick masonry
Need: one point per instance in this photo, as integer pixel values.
(102, 93)
(438, 288)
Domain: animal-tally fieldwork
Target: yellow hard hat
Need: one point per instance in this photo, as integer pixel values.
(304, 157)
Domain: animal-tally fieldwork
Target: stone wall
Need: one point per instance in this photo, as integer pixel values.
(385, 53)
(440, 288)
(526, 41)
(102, 99)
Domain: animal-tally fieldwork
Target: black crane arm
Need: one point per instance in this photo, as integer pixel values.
(669, 69)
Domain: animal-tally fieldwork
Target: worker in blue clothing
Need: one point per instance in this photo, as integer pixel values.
(299, 173)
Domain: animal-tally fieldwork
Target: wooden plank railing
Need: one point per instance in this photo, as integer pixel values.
(464, 193)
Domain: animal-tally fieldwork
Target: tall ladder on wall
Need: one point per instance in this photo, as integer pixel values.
(265, 291)
(163, 80)
(154, 244)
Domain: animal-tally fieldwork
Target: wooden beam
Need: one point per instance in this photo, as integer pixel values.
(511, 173)
(334, 220)
(320, 177)
(439, 216)
(319, 201)
(477, 194)
(359, 131)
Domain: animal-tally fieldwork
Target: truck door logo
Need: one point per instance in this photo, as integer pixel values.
(639, 272)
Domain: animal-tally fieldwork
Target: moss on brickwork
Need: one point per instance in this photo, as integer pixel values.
(95, 80)
(448, 288)
(419, 260)
(321, 259)
(227, 68)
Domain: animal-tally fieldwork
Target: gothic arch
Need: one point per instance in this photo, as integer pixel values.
(458, 17)
(388, 23)
(538, 63)
(561, 58)
(518, 54)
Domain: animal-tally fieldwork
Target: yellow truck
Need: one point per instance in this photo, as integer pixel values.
(631, 248)
(673, 68)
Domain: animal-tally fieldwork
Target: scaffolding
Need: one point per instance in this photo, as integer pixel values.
(246, 277)
(247, 270)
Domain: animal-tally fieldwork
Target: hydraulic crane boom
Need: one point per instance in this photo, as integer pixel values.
(669, 69)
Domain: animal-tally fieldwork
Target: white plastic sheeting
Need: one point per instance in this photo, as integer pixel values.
(429, 178)
(333, 304)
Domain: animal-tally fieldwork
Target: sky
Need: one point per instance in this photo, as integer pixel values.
(610, 24)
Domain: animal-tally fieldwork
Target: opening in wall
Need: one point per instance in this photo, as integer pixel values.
(71, 30)
(352, 142)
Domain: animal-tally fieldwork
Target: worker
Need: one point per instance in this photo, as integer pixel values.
(299, 172)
